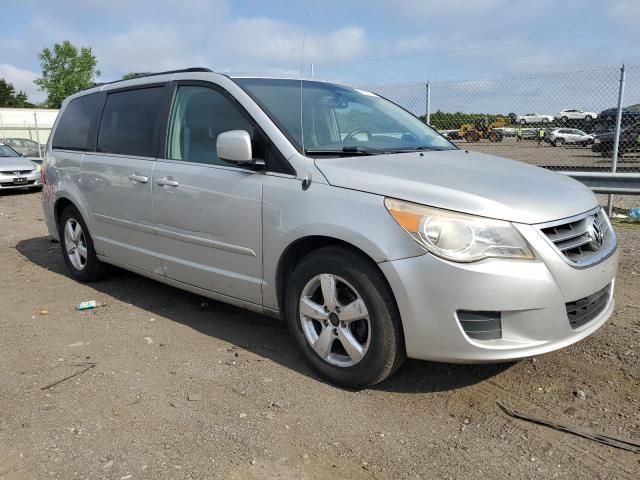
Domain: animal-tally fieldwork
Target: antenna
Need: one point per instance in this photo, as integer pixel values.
(306, 179)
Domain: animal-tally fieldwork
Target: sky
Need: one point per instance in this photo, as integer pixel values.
(362, 42)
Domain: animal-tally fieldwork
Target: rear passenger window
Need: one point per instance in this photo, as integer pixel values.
(72, 132)
(129, 122)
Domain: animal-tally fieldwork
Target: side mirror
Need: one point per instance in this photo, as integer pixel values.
(234, 146)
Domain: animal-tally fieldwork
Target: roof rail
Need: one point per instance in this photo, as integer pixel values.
(143, 75)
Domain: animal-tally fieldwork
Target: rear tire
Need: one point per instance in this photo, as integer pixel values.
(558, 142)
(378, 349)
(77, 247)
(545, 120)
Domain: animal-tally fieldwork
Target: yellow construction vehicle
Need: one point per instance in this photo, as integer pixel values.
(474, 132)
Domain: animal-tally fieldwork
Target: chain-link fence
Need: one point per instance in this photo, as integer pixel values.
(565, 120)
(26, 130)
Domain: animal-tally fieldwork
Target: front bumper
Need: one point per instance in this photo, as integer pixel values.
(531, 297)
(31, 180)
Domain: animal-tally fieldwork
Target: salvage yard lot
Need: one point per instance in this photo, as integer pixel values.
(185, 387)
(570, 156)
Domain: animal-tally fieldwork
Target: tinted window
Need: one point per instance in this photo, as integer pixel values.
(129, 122)
(72, 132)
(199, 115)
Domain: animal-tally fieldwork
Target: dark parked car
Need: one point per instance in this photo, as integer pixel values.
(24, 146)
(609, 115)
(629, 141)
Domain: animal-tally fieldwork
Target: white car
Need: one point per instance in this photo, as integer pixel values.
(533, 118)
(575, 114)
(560, 136)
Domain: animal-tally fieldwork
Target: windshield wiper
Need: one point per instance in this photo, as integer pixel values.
(363, 149)
(343, 152)
(427, 147)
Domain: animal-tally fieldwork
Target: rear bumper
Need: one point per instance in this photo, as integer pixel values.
(531, 297)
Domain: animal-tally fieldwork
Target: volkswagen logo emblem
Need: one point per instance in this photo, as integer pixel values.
(595, 233)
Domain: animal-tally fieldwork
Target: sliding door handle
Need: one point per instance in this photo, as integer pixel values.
(137, 178)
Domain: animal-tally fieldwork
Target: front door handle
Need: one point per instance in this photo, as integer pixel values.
(137, 178)
(167, 182)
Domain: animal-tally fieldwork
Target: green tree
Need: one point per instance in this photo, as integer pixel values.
(65, 71)
(9, 97)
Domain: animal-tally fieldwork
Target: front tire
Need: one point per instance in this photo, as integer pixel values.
(343, 317)
(77, 247)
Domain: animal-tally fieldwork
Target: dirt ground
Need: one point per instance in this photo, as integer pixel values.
(185, 388)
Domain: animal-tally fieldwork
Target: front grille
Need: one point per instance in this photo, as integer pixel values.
(586, 309)
(16, 172)
(582, 239)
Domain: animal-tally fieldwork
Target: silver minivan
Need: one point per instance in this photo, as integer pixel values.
(372, 235)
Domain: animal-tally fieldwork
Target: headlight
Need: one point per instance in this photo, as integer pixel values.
(457, 236)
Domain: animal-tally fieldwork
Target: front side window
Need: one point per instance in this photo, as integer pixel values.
(334, 117)
(129, 122)
(72, 131)
(198, 116)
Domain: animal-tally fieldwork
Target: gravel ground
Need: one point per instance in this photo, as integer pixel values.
(570, 156)
(188, 388)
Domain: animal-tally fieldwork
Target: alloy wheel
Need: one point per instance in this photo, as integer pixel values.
(75, 244)
(335, 320)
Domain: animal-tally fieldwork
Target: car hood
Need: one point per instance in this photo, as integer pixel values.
(467, 182)
(8, 164)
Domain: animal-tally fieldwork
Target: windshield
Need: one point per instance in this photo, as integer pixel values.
(338, 117)
(6, 151)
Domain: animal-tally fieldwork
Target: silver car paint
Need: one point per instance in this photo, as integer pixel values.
(209, 226)
(9, 165)
(117, 190)
(350, 207)
(466, 182)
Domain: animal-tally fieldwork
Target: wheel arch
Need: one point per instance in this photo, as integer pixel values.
(304, 246)
(59, 206)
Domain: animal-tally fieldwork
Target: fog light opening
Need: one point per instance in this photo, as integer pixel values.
(481, 325)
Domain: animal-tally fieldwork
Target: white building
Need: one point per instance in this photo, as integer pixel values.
(32, 123)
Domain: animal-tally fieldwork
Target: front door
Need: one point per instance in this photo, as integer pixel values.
(116, 179)
(208, 211)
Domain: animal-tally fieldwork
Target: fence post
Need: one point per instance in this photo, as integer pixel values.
(35, 119)
(428, 115)
(616, 134)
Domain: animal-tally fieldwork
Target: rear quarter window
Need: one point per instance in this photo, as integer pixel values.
(130, 121)
(72, 132)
